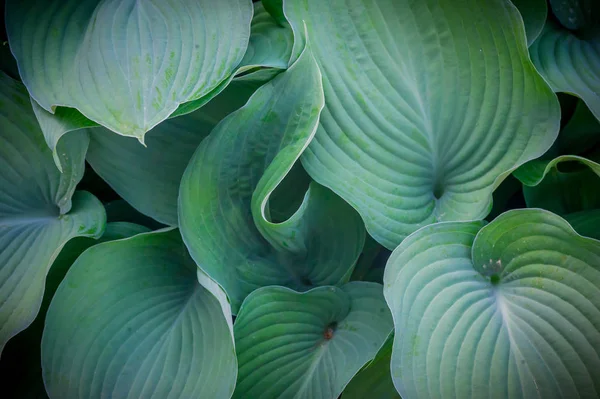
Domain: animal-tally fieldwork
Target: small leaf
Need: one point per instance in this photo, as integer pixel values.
(307, 345)
(131, 319)
(507, 310)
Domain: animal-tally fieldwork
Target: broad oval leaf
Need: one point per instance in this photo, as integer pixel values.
(307, 345)
(38, 211)
(150, 56)
(21, 362)
(429, 106)
(508, 310)
(148, 176)
(224, 199)
(570, 63)
(131, 319)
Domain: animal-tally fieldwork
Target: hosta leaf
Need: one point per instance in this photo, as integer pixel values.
(509, 310)
(548, 186)
(375, 380)
(121, 211)
(38, 211)
(429, 106)
(307, 345)
(224, 211)
(576, 14)
(270, 43)
(148, 176)
(534, 14)
(131, 319)
(586, 223)
(126, 64)
(21, 363)
(570, 63)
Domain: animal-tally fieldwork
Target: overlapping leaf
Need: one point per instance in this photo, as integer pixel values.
(148, 176)
(21, 363)
(429, 105)
(224, 209)
(508, 310)
(125, 64)
(307, 345)
(132, 319)
(570, 63)
(534, 14)
(38, 211)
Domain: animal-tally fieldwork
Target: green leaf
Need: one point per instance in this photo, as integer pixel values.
(224, 199)
(510, 310)
(580, 134)
(148, 176)
(551, 185)
(586, 223)
(38, 211)
(131, 319)
(20, 366)
(125, 64)
(121, 211)
(570, 63)
(429, 106)
(270, 43)
(576, 14)
(534, 14)
(374, 380)
(307, 345)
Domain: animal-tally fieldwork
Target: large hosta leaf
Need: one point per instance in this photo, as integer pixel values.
(510, 310)
(132, 320)
(126, 64)
(429, 106)
(148, 176)
(570, 63)
(38, 211)
(224, 210)
(21, 363)
(307, 345)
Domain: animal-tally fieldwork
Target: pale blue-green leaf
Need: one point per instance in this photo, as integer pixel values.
(38, 211)
(21, 362)
(148, 176)
(570, 63)
(126, 64)
(509, 310)
(224, 209)
(307, 345)
(131, 320)
(429, 106)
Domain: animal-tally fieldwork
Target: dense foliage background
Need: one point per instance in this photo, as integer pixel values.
(300, 198)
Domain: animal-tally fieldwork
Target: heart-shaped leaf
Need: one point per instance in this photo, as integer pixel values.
(126, 64)
(224, 199)
(38, 211)
(148, 176)
(508, 310)
(307, 345)
(429, 106)
(131, 319)
(570, 63)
